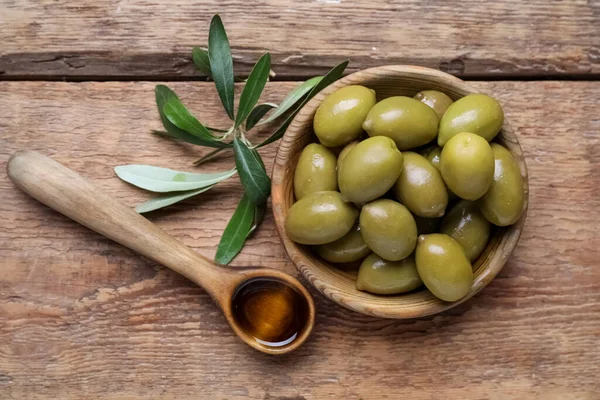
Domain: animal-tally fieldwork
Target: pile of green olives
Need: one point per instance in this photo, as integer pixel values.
(405, 189)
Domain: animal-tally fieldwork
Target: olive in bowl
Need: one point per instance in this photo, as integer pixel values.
(340, 285)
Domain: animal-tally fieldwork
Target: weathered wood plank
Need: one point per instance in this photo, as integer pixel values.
(153, 38)
(81, 317)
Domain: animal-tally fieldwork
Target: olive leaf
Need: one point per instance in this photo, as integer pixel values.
(194, 139)
(292, 98)
(201, 61)
(221, 63)
(181, 136)
(164, 94)
(258, 113)
(179, 116)
(333, 75)
(236, 232)
(215, 129)
(163, 180)
(258, 158)
(180, 124)
(278, 134)
(253, 88)
(259, 214)
(208, 156)
(253, 175)
(168, 199)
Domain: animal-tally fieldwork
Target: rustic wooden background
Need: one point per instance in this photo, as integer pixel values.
(83, 318)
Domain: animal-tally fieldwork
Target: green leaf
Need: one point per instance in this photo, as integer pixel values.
(164, 94)
(292, 98)
(208, 156)
(236, 232)
(333, 75)
(279, 132)
(215, 129)
(201, 61)
(182, 136)
(221, 63)
(257, 113)
(252, 172)
(179, 116)
(253, 88)
(163, 133)
(168, 199)
(259, 214)
(258, 157)
(163, 180)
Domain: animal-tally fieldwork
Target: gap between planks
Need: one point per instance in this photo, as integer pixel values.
(285, 78)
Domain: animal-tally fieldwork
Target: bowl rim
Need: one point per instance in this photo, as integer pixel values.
(389, 306)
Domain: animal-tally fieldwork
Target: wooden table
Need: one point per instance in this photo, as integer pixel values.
(84, 318)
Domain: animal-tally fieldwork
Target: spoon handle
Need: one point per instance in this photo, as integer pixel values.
(65, 191)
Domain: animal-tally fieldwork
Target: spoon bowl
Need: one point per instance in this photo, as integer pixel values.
(65, 191)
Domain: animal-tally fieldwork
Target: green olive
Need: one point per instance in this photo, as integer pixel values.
(315, 171)
(345, 152)
(443, 266)
(320, 218)
(465, 224)
(426, 225)
(407, 121)
(339, 118)
(502, 205)
(475, 113)
(351, 247)
(437, 100)
(380, 276)
(420, 187)
(467, 165)
(433, 155)
(370, 169)
(388, 228)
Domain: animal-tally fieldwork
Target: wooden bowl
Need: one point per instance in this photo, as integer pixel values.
(338, 285)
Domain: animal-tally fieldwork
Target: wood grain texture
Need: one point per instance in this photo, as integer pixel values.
(153, 38)
(82, 317)
(339, 285)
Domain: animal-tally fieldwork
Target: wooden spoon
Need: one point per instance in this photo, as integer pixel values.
(272, 312)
